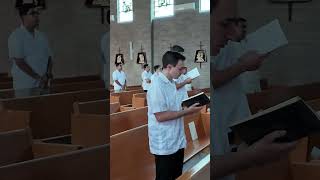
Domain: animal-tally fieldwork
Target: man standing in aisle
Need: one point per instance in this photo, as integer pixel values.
(30, 52)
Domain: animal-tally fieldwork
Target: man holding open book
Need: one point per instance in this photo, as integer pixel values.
(165, 123)
(230, 104)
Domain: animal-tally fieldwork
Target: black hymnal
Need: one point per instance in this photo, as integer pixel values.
(294, 116)
(200, 98)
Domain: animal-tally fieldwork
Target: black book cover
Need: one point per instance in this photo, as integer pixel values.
(200, 98)
(293, 116)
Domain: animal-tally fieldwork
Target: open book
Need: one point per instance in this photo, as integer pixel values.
(194, 73)
(293, 116)
(266, 39)
(200, 98)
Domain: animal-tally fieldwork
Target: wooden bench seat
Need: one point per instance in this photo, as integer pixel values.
(13, 120)
(124, 97)
(134, 145)
(90, 129)
(201, 171)
(92, 107)
(139, 100)
(268, 98)
(123, 121)
(51, 114)
(18, 146)
(89, 163)
(114, 107)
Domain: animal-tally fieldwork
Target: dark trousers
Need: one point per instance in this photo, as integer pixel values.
(169, 167)
(145, 90)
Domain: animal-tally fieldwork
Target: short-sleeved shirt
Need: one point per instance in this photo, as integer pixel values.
(34, 50)
(229, 101)
(144, 76)
(105, 42)
(121, 77)
(182, 92)
(167, 137)
(154, 76)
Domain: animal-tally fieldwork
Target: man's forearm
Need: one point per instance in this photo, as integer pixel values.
(23, 66)
(180, 85)
(117, 82)
(220, 78)
(170, 115)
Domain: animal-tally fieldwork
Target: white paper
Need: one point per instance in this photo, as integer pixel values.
(266, 38)
(193, 131)
(193, 73)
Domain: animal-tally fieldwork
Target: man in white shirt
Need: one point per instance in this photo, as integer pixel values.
(157, 71)
(119, 79)
(146, 78)
(30, 52)
(181, 84)
(229, 104)
(165, 124)
(105, 46)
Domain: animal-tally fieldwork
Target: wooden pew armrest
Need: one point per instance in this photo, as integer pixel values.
(201, 169)
(41, 149)
(305, 171)
(194, 147)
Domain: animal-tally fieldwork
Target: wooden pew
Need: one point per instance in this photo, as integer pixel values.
(271, 97)
(6, 85)
(90, 129)
(15, 146)
(127, 107)
(77, 86)
(201, 171)
(139, 100)
(58, 88)
(114, 107)
(51, 114)
(76, 79)
(133, 144)
(13, 120)
(281, 169)
(124, 97)
(129, 88)
(305, 171)
(203, 141)
(94, 81)
(84, 164)
(18, 146)
(123, 121)
(92, 107)
(196, 91)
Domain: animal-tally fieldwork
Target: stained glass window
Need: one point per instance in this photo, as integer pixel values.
(125, 11)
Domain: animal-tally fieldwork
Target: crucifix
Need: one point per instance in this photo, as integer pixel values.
(200, 56)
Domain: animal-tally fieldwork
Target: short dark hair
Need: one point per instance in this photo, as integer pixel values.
(145, 65)
(171, 57)
(156, 67)
(118, 64)
(177, 48)
(234, 20)
(25, 8)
